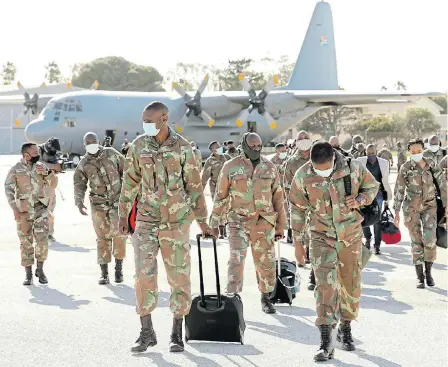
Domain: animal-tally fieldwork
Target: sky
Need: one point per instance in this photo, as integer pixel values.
(377, 41)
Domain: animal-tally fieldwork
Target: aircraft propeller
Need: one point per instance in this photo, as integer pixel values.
(193, 104)
(30, 103)
(257, 101)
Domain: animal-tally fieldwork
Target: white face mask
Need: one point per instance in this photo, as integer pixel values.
(282, 155)
(417, 157)
(220, 150)
(150, 128)
(92, 148)
(304, 144)
(434, 148)
(324, 173)
(426, 145)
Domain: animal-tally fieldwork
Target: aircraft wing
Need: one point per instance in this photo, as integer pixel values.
(17, 99)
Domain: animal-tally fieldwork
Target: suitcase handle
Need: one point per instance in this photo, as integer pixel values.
(201, 275)
(279, 268)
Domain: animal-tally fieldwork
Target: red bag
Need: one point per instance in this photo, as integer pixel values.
(390, 234)
(132, 217)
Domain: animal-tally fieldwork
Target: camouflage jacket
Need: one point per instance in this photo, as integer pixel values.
(212, 167)
(198, 157)
(402, 157)
(244, 194)
(290, 167)
(436, 157)
(415, 186)
(325, 199)
(232, 153)
(277, 161)
(444, 166)
(356, 154)
(167, 177)
(103, 172)
(387, 155)
(24, 186)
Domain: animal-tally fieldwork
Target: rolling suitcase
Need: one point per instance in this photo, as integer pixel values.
(214, 317)
(288, 280)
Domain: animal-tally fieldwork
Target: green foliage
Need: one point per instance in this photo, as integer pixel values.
(228, 77)
(53, 74)
(441, 101)
(116, 73)
(419, 121)
(9, 73)
(190, 76)
(399, 85)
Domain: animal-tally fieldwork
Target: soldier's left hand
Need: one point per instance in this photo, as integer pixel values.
(205, 229)
(279, 236)
(351, 202)
(39, 169)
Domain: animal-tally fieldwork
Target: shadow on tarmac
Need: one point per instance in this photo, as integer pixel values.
(47, 296)
(225, 349)
(57, 246)
(156, 358)
(125, 295)
(381, 299)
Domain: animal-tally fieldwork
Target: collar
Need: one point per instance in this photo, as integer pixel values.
(172, 139)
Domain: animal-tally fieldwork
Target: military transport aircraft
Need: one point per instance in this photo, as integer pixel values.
(204, 117)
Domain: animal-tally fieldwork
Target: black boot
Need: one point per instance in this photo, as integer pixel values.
(345, 335)
(40, 273)
(224, 231)
(307, 258)
(429, 278)
(29, 275)
(221, 232)
(289, 237)
(326, 350)
(266, 304)
(104, 275)
(147, 336)
(118, 271)
(367, 244)
(176, 343)
(377, 250)
(312, 282)
(420, 276)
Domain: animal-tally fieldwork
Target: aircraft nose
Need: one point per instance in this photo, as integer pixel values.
(33, 133)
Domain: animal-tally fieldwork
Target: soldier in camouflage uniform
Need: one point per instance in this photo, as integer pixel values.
(387, 155)
(334, 142)
(434, 152)
(197, 154)
(102, 169)
(231, 150)
(415, 191)
(444, 166)
(280, 155)
(357, 150)
(161, 166)
(336, 237)
(125, 147)
(401, 155)
(250, 197)
(26, 192)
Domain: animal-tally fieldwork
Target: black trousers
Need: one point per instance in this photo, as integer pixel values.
(377, 234)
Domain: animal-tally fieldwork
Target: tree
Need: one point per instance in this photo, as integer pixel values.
(384, 88)
(228, 77)
(419, 121)
(441, 101)
(285, 69)
(389, 129)
(9, 73)
(53, 74)
(399, 85)
(190, 76)
(116, 73)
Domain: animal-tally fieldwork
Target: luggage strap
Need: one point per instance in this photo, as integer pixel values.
(279, 268)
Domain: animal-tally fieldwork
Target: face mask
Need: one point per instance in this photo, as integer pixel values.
(417, 157)
(282, 155)
(434, 148)
(371, 158)
(220, 150)
(92, 148)
(426, 145)
(150, 128)
(324, 173)
(35, 159)
(358, 146)
(304, 144)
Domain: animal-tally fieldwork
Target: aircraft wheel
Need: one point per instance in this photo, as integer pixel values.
(75, 159)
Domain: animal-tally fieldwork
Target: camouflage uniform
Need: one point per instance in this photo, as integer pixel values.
(436, 157)
(26, 190)
(51, 193)
(416, 191)
(198, 157)
(252, 202)
(444, 166)
(356, 154)
(387, 155)
(336, 234)
(212, 167)
(232, 152)
(402, 157)
(103, 172)
(168, 179)
(278, 161)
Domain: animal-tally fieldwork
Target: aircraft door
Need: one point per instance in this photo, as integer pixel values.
(112, 134)
(252, 126)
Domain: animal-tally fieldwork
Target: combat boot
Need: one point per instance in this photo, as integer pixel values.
(118, 271)
(367, 244)
(221, 232)
(420, 276)
(326, 350)
(345, 335)
(224, 231)
(429, 278)
(307, 258)
(51, 238)
(289, 237)
(176, 342)
(147, 336)
(312, 282)
(29, 275)
(104, 274)
(40, 273)
(266, 304)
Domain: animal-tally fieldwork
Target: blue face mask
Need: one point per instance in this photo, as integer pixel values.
(371, 158)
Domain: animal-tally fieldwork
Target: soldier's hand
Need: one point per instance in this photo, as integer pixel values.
(397, 219)
(58, 167)
(300, 253)
(279, 236)
(215, 232)
(205, 229)
(82, 209)
(16, 214)
(351, 202)
(386, 204)
(123, 225)
(40, 169)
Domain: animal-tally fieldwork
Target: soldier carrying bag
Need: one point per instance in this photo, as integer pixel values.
(440, 231)
(214, 317)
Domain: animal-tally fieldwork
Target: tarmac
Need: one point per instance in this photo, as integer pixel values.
(73, 321)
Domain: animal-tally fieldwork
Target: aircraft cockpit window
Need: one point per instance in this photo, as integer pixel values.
(71, 108)
(70, 105)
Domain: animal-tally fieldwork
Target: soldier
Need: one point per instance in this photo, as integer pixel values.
(26, 192)
(160, 165)
(231, 150)
(250, 197)
(212, 167)
(125, 147)
(386, 154)
(197, 154)
(434, 152)
(336, 237)
(444, 166)
(334, 142)
(102, 169)
(357, 150)
(415, 190)
(280, 155)
(401, 155)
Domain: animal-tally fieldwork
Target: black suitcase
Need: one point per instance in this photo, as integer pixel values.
(288, 280)
(214, 317)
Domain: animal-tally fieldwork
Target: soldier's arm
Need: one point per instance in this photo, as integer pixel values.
(120, 161)
(80, 181)
(206, 172)
(10, 189)
(193, 185)
(400, 187)
(299, 204)
(440, 178)
(287, 178)
(220, 204)
(132, 177)
(368, 187)
(278, 201)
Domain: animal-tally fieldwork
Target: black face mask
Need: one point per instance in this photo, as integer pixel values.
(35, 159)
(253, 155)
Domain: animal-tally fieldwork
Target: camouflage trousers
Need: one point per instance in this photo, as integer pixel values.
(212, 186)
(108, 237)
(175, 249)
(338, 278)
(29, 226)
(422, 230)
(260, 237)
(51, 207)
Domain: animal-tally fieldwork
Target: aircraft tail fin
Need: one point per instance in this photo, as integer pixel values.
(316, 67)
